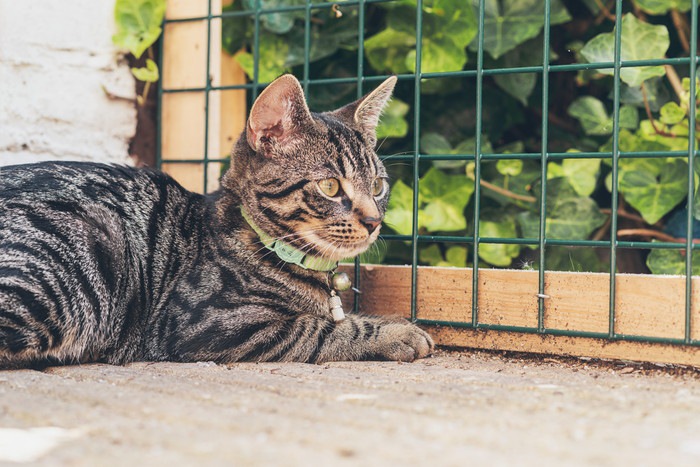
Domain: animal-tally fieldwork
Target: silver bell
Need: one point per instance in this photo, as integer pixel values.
(341, 282)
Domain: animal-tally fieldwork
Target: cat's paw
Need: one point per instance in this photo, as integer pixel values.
(404, 342)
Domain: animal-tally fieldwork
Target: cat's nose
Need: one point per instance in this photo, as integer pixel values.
(370, 223)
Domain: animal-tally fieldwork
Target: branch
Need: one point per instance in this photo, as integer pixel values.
(623, 213)
(675, 81)
(604, 12)
(680, 24)
(651, 233)
(508, 193)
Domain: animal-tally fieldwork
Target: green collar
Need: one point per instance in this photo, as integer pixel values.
(288, 253)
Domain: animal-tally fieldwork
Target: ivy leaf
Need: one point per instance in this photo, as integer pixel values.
(512, 167)
(444, 198)
(592, 115)
(657, 94)
(574, 260)
(280, 22)
(655, 191)
(569, 216)
(435, 143)
(234, 29)
(387, 50)
(149, 73)
(661, 7)
(393, 124)
(456, 256)
(431, 255)
(447, 29)
(640, 41)
(509, 23)
(670, 262)
(399, 213)
(272, 58)
(138, 24)
(582, 174)
(520, 85)
(629, 117)
(671, 113)
(494, 253)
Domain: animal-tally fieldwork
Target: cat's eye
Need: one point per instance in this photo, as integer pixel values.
(377, 186)
(329, 186)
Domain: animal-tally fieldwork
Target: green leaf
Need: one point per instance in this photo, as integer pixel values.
(147, 74)
(435, 143)
(629, 117)
(509, 23)
(393, 124)
(569, 216)
(670, 262)
(498, 254)
(582, 174)
(574, 260)
(272, 60)
(640, 41)
(444, 198)
(387, 50)
(655, 191)
(656, 92)
(399, 213)
(671, 113)
(661, 7)
(592, 115)
(234, 29)
(279, 22)
(431, 255)
(520, 85)
(456, 256)
(138, 24)
(509, 167)
(447, 29)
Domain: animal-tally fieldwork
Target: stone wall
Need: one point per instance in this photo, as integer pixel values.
(65, 91)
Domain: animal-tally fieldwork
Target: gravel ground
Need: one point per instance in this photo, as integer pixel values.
(456, 408)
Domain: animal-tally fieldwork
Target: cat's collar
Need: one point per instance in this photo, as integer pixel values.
(288, 253)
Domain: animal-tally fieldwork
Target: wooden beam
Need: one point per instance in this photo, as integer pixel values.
(646, 305)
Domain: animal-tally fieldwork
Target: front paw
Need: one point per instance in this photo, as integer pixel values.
(403, 342)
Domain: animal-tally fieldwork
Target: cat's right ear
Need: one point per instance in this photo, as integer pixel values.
(278, 115)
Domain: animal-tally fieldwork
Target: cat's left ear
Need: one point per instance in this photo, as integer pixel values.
(365, 112)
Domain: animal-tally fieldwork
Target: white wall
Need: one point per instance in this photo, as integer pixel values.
(56, 56)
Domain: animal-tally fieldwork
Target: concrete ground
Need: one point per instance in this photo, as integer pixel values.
(456, 408)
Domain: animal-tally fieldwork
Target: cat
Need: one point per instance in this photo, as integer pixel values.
(104, 263)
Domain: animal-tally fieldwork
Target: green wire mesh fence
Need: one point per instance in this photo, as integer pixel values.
(341, 50)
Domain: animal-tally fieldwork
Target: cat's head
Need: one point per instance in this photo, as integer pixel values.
(312, 179)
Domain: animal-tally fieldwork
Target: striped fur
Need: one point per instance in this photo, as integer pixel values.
(114, 264)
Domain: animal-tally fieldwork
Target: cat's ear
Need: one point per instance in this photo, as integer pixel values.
(365, 112)
(278, 114)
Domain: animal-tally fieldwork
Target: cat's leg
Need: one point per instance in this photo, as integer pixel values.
(259, 334)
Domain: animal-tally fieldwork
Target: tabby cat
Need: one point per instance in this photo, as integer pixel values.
(114, 264)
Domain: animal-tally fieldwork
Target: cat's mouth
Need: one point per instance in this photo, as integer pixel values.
(336, 247)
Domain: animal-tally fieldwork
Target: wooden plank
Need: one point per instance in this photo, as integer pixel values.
(646, 305)
(184, 114)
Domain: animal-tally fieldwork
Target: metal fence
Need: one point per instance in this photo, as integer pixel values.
(545, 70)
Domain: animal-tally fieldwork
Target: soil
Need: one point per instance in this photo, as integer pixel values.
(456, 408)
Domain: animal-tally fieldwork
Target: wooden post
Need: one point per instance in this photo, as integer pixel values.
(184, 113)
